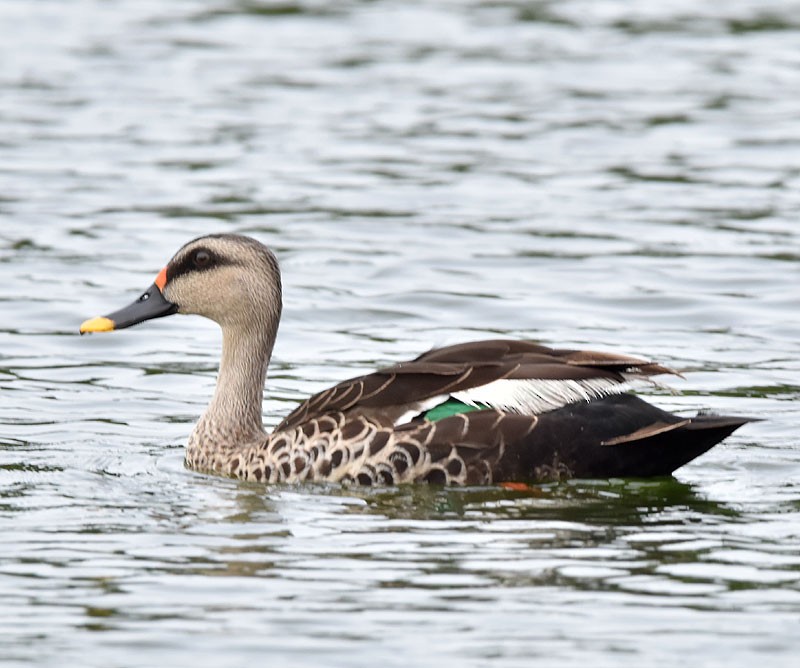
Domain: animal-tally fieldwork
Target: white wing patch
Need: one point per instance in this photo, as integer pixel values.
(530, 396)
(421, 407)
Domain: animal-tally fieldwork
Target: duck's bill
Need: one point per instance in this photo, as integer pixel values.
(150, 305)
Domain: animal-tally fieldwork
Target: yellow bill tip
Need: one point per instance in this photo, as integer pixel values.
(97, 325)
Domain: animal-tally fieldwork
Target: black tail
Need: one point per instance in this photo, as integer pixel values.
(663, 453)
(617, 436)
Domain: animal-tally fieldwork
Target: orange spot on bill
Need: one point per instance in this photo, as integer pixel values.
(161, 279)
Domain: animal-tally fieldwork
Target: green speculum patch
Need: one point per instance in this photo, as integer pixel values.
(451, 407)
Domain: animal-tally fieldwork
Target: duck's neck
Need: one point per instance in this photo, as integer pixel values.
(233, 417)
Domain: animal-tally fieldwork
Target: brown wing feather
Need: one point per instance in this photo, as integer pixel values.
(464, 366)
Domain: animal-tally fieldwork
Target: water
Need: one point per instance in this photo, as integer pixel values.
(617, 175)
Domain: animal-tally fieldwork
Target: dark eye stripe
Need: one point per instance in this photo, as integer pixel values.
(200, 259)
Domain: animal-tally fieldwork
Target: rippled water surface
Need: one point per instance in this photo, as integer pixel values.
(620, 175)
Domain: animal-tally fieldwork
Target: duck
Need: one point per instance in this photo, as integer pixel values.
(490, 412)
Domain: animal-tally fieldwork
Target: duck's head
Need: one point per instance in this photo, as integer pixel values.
(231, 279)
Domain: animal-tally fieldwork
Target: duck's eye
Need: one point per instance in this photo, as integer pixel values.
(202, 258)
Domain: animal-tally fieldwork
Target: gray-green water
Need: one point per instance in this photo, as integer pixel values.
(620, 175)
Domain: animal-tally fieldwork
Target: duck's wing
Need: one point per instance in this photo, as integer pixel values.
(617, 436)
(515, 376)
